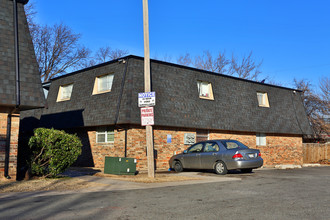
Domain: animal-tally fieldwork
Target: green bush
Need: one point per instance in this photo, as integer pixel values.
(52, 151)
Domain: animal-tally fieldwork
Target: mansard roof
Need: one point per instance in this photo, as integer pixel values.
(234, 107)
(31, 95)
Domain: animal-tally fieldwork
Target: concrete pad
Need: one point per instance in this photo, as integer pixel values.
(109, 184)
(311, 165)
(287, 166)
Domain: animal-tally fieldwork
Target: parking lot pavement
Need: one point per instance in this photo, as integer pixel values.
(264, 194)
(110, 184)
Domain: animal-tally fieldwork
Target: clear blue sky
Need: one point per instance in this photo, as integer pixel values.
(291, 37)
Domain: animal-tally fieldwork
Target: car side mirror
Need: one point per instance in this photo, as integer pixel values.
(185, 151)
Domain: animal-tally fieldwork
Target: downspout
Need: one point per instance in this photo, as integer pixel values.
(119, 102)
(7, 149)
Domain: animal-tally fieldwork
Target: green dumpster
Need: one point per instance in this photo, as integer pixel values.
(120, 165)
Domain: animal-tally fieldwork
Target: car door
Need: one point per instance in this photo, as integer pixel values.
(209, 155)
(191, 159)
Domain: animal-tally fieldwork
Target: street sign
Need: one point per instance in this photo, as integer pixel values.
(147, 99)
(147, 116)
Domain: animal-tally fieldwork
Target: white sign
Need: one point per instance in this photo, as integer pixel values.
(147, 99)
(147, 116)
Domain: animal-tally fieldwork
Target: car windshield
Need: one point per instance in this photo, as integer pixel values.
(231, 144)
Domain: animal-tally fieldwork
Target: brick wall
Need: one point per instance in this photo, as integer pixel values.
(13, 144)
(280, 149)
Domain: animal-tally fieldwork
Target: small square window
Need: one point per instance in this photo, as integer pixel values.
(64, 93)
(103, 84)
(105, 135)
(262, 99)
(261, 139)
(205, 90)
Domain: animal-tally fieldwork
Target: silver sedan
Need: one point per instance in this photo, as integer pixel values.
(220, 155)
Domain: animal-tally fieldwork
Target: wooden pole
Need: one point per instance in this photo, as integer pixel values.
(147, 88)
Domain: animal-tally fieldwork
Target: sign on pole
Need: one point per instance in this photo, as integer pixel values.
(147, 116)
(147, 99)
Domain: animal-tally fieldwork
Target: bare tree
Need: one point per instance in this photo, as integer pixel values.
(30, 14)
(316, 108)
(57, 50)
(56, 47)
(247, 68)
(207, 62)
(184, 60)
(105, 54)
(325, 93)
(166, 57)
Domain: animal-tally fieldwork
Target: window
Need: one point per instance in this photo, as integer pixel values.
(202, 135)
(196, 148)
(205, 90)
(262, 99)
(211, 147)
(103, 84)
(64, 93)
(261, 139)
(105, 135)
(232, 144)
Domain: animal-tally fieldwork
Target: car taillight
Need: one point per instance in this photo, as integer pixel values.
(259, 155)
(237, 155)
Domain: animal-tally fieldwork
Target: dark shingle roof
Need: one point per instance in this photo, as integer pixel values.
(30, 83)
(234, 108)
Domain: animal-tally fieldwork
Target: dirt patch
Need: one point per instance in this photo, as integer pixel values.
(42, 184)
(143, 177)
(73, 182)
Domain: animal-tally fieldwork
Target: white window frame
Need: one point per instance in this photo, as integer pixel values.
(263, 99)
(96, 89)
(261, 139)
(202, 94)
(106, 132)
(62, 89)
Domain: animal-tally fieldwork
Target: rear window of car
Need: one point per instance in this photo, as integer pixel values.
(233, 145)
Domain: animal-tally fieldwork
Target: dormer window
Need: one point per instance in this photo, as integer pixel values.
(205, 90)
(64, 93)
(263, 99)
(103, 84)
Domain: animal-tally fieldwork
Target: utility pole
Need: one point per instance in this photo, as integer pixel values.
(147, 88)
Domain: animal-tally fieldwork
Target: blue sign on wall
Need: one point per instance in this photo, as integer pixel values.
(169, 138)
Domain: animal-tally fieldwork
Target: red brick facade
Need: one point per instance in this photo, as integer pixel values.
(13, 144)
(280, 149)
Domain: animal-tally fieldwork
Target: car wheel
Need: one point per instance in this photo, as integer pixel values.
(220, 168)
(178, 166)
(246, 170)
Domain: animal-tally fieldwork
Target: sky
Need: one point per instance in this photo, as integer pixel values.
(291, 38)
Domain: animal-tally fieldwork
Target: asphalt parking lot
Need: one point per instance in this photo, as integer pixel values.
(265, 194)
